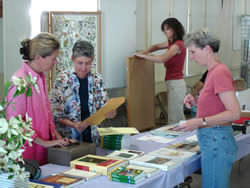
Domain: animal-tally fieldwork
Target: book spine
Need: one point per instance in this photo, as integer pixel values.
(123, 180)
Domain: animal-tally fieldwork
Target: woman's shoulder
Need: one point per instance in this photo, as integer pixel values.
(220, 70)
(180, 44)
(95, 75)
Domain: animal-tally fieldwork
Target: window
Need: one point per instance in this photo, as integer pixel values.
(38, 6)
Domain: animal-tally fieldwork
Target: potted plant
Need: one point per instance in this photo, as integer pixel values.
(15, 130)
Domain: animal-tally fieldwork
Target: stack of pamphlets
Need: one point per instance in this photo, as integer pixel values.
(125, 154)
(115, 142)
(167, 131)
(98, 164)
(173, 154)
(185, 146)
(127, 175)
(152, 161)
(18, 182)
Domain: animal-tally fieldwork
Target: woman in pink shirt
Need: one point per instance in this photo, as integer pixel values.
(217, 107)
(39, 54)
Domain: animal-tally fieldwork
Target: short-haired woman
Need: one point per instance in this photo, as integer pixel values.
(217, 107)
(77, 94)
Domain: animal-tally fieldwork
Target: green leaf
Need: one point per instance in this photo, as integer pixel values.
(29, 92)
(6, 87)
(2, 136)
(2, 114)
(28, 79)
(13, 107)
(16, 93)
(10, 176)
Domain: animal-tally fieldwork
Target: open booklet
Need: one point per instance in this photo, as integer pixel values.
(99, 116)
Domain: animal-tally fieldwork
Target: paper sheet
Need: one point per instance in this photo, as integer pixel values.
(159, 139)
(99, 116)
(117, 130)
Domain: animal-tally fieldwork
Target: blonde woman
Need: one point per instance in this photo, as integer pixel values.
(39, 55)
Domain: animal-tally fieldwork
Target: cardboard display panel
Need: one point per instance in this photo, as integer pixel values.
(140, 93)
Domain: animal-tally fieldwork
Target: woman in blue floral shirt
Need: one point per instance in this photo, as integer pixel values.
(78, 94)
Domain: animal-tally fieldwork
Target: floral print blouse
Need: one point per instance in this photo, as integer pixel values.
(65, 100)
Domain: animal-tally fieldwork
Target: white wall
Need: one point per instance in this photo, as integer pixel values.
(118, 39)
(16, 27)
(1, 45)
(1, 58)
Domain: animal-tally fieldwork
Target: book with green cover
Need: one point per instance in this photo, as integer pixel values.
(126, 181)
(127, 173)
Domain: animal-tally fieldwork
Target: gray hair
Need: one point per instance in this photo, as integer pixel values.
(83, 48)
(44, 44)
(202, 38)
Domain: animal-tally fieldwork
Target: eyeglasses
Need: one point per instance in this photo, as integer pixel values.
(86, 64)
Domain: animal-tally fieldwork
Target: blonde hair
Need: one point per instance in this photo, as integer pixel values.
(44, 44)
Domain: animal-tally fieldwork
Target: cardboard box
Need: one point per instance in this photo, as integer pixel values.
(239, 85)
(63, 156)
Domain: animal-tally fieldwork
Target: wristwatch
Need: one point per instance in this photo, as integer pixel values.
(204, 123)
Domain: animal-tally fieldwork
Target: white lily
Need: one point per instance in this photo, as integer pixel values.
(1, 108)
(3, 125)
(33, 82)
(20, 83)
(13, 155)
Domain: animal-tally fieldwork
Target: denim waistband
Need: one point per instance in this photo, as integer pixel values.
(216, 129)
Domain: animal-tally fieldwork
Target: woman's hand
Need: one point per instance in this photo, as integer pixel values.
(190, 101)
(111, 114)
(81, 126)
(189, 125)
(139, 55)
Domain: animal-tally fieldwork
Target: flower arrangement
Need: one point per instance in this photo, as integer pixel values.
(15, 131)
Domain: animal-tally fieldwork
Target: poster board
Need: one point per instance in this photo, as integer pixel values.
(69, 27)
(140, 93)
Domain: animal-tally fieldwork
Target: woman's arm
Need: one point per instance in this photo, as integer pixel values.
(161, 58)
(156, 47)
(45, 143)
(231, 113)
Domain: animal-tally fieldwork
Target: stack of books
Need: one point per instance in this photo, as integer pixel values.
(68, 178)
(185, 146)
(62, 180)
(39, 184)
(178, 155)
(16, 181)
(115, 142)
(125, 154)
(152, 161)
(148, 171)
(167, 131)
(98, 164)
(127, 175)
(75, 173)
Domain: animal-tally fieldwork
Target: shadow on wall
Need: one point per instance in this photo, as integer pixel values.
(1, 86)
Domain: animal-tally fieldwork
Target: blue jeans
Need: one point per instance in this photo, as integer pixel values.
(218, 152)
